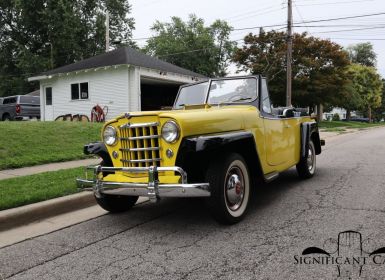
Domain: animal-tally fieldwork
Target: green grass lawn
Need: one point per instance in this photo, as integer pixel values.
(32, 143)
(39, 187)
(329, 126)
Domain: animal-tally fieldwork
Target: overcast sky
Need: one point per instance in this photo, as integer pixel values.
(254, 13)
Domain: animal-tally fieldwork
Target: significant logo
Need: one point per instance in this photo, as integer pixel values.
(349, 253)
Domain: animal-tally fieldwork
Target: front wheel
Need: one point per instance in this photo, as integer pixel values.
(116, 203)
(230, 182)
(307, 166)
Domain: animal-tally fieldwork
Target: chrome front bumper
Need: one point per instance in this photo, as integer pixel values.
(153, 189)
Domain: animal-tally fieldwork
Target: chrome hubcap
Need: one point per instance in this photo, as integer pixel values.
(310, 159)
(235, 188)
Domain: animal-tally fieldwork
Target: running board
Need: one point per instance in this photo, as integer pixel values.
(271, 176)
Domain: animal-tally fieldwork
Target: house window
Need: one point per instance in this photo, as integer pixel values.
(48, 96)
(79, 91)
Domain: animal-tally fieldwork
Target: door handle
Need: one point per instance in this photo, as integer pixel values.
(287, 126)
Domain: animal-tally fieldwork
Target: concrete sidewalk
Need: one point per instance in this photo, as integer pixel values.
(12, 173)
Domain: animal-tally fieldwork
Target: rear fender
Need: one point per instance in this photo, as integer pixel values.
(309, 131)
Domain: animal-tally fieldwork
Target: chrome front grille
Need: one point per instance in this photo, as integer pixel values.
(140, 144)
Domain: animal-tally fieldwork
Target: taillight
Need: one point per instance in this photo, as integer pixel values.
(18, 109)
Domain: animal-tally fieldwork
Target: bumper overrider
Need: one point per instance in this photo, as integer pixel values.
(153, 189)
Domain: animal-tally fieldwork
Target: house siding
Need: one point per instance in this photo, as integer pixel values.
(106, 87)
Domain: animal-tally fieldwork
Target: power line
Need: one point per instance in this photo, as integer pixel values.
(343, 1)
(333, 3)
(257, 14)
(299, 13)
(342, 18)
(360, 39)
(341, 25)
(356, 29)
(250, 12)
(311, 21)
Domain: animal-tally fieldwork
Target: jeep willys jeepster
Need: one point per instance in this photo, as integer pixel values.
(220, 136)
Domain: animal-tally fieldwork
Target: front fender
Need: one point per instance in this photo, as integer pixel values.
(99, 149)
(196, 152)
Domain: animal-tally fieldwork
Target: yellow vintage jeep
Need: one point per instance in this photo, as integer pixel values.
(220, 136)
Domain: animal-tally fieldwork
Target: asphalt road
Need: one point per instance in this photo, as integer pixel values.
(176, 239)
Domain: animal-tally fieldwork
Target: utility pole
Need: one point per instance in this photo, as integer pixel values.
(289, 52)
(107, 31)
(51, 56)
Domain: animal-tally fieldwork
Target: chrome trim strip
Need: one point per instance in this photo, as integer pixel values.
(135, 125)
(140, 160)
(140, 137)
(140, 149)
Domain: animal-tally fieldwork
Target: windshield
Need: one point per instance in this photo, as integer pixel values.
(232, 91)
(192, 95)
(241, 90)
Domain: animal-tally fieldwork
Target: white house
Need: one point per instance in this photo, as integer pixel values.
(123, 80)
(341, 113)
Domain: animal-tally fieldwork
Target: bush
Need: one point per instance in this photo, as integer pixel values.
(336, 117)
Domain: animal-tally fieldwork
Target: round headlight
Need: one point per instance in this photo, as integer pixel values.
(170, 131)
(109, 135)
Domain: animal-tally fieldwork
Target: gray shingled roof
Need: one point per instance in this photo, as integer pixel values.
(124, 55)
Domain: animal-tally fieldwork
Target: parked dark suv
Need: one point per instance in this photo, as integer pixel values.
(19, 107)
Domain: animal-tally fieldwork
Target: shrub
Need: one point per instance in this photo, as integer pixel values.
(336, 117)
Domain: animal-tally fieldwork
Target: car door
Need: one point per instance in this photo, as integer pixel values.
(278, 140)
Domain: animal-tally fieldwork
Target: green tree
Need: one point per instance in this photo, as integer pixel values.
(318, 66)
(192, 45)
(39, 35)
(379, 113)
(348, 97)
(363, 54)
(368, 84)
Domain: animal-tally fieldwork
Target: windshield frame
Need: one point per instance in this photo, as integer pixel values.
(189, 85)
(209, 81)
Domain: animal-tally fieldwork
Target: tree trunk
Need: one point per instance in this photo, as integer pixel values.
(348, 113)
(320, 111)
(370, 114)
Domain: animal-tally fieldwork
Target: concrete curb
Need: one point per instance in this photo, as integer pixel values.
(27, 214)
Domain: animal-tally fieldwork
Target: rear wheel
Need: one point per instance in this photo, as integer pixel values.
(307, 166)
(230, 183)
(115, 203)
